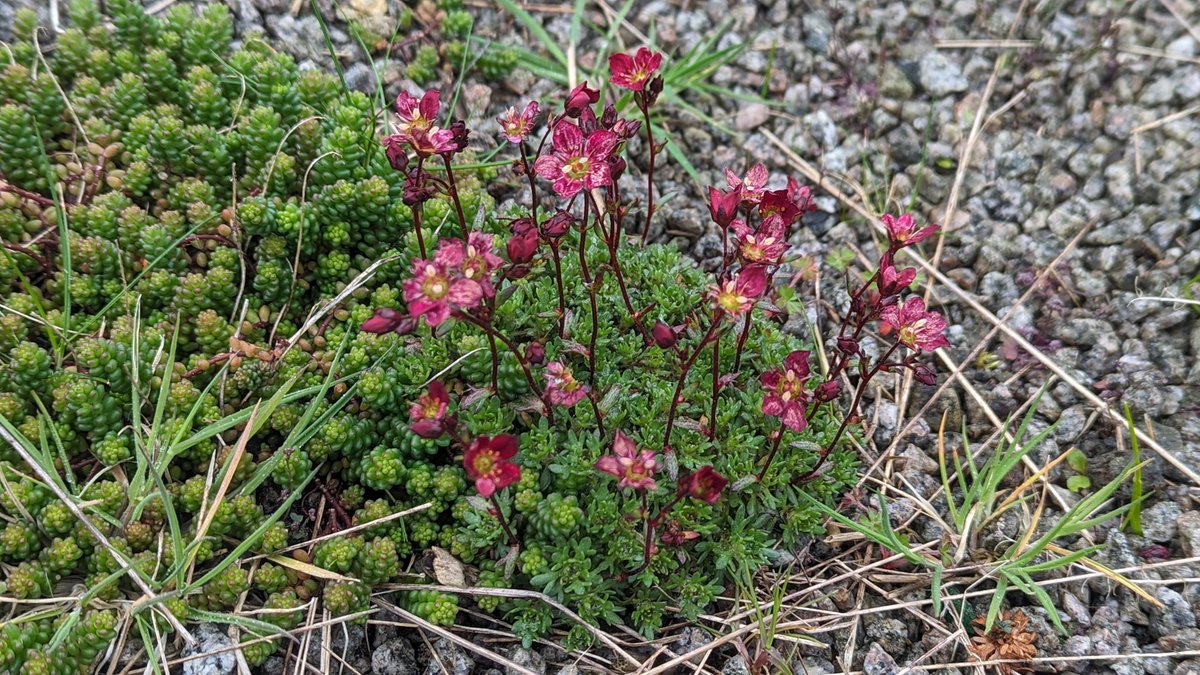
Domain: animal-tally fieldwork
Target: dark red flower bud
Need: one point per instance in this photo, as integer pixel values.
(581, 98)
(429, 428)
(848, 345)
(609, 117)
(384, 321)
(616, 167)
(828, 391)
(558, 225)
(705, 485)
(523, 243)
(664, 335)
(653, 90)
(535, 353)
(723, 206)
(394, 148)
(626, 129)
(406, 326)
(460, 133)
(417, 190)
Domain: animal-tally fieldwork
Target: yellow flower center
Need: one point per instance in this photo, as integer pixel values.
(577, 168)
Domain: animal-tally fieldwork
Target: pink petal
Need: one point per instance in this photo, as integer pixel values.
(623, 447)
(599, 176)
(436, 315)
(797, 362)
(772, 406)
(505, 446)
(548, 167)
(793, 418)
(567, 137)
(600, 145)
(429, 105)
(756, 178)
(486, 487)
(608, 464)
(465, 293)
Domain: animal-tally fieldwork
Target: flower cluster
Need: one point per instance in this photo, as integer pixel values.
(580, 154)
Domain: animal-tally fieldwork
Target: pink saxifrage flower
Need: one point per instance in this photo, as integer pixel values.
(418, 125)
(902, 231)
(474, 259)
(766, 245)
(486, 462)
(434, 291)
(427, 416)
(516, 126)
(737, 295)
(633, 72)
(561, 386)
(577, 162)
(751, 187)
(634, 469)
(917, 328)
(786, 396)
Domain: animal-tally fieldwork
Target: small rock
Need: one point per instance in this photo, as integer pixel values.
(394, 657)
(209, 638)
(1159, 522)
(448, 659)
(940, 75)
(1188, 525)
(736, 666)
(527, 659)
(1077, 645)
(878, 661)
(1176, 612)
(1076, 609)
(916, 459)
(360, 77)
(893, 83)
(751, 116)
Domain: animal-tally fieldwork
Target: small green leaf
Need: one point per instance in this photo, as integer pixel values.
(1077, 460)
(1078, 483)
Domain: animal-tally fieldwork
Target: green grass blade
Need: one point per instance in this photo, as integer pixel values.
(1134, 520)
(997, 600)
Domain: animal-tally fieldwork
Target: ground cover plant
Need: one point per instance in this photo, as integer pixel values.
(242, 326)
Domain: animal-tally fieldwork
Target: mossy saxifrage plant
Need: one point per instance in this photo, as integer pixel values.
(604, 338)
(167, 237)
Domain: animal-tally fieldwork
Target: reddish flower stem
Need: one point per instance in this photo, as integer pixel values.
(651, 527)
(649, 173)
(417, 211)
(558, 282)
(687, 366)
(741, 344)
(512, 538)
(532, 183)
(458, 210)
(771, 455)
(858, 394)
(716, 389)
(487, 328)
(591, 286)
